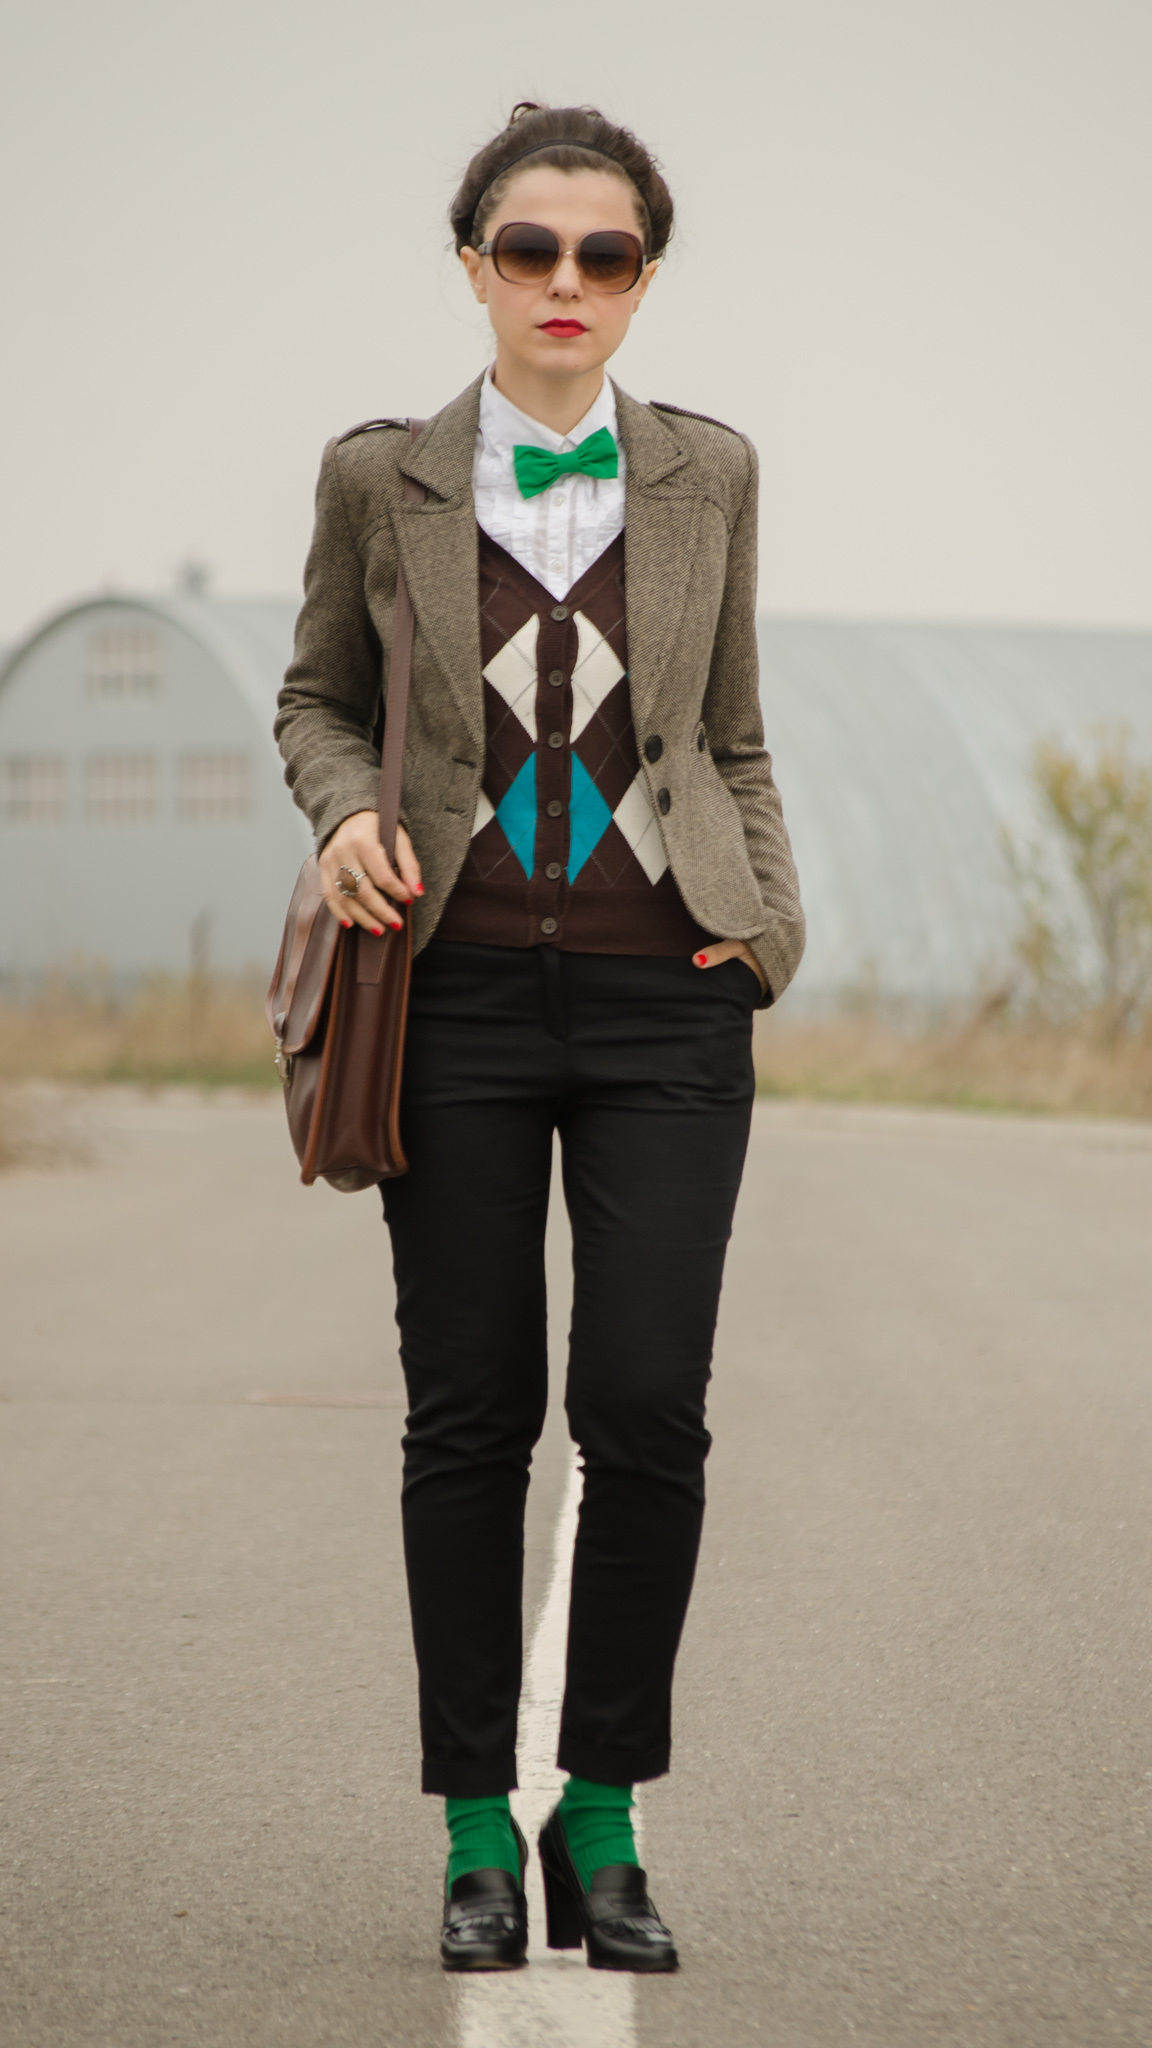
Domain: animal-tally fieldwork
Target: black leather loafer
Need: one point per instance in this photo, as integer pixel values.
(486, 1919)
(616, 1920)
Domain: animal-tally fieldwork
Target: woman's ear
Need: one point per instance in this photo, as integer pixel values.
(643, 282)
(474, 265)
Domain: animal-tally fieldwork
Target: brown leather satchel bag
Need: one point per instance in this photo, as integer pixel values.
(338, 1002)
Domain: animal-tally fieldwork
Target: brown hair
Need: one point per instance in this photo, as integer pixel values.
(569, 139)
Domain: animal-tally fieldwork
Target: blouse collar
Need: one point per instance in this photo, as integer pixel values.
(502, 425)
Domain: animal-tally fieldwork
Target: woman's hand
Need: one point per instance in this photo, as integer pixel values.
(355, 845)
(732, 949)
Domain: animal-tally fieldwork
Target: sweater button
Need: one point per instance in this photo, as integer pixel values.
(663, 802)
(556, 678)
(560, 612)
(700, 741)
(555, 739)
(548, 925)
(555, 808)
(653, 747)
(553, 871)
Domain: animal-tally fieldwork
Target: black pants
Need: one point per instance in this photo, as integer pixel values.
(644, 1067)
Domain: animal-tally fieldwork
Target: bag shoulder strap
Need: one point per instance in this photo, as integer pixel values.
(399, 684)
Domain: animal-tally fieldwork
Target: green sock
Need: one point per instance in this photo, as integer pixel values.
(597, 1827)
(480, 1836)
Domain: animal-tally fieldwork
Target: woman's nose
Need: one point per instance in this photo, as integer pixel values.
(567, 282)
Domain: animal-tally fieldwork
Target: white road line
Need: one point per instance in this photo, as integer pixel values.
(557, 2002)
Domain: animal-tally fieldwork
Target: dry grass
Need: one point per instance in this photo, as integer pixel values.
(212, 1033)
(195, 1029)
(982, 1062)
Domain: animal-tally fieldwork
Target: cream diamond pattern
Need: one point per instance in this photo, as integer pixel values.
(513, 673)
(637, 821)
(597, 671)
(485, 812)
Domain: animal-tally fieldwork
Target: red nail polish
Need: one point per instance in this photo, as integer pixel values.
(701, 959)
(377, 931)
(419, 888)
(347, 923)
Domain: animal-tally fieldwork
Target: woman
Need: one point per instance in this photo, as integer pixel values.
(603, 893)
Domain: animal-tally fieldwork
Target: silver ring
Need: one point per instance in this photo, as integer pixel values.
(357, 877)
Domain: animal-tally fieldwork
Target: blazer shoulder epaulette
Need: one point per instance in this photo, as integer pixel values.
(682, 412)
(369, 427)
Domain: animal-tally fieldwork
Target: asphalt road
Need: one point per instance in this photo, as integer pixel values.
(913, 1771)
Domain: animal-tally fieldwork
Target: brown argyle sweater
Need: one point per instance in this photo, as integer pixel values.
(565, 849)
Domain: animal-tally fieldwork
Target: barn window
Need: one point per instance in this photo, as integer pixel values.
(123, 663)
(121, 789)
(213, 789)
(33, 789)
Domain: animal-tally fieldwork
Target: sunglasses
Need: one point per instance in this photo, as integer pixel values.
(610, 260)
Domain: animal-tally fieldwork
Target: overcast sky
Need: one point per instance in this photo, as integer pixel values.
(912, 262)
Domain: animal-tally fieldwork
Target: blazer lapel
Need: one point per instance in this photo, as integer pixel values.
(438, 549)
(662, 522)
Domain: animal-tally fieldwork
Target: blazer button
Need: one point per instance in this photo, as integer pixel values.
(663, 802)
(555, 739)
(555, 808)
(548, 925)
(553, 871)
(560, 612)
(653, 747)
(700, 741)
(556, 678)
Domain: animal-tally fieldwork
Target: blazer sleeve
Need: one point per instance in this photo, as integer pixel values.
(735, 730)
(329, 703)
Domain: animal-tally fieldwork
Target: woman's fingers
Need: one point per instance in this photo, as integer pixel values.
(731, 949)
(407, 862)
(354, 855)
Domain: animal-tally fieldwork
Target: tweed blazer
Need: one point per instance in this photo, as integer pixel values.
(690, 579)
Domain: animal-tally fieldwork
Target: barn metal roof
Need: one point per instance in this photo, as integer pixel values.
(250, 637)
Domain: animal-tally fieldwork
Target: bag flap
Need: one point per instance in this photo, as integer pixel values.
(303, 970)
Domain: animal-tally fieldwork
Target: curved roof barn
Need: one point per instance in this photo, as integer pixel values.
(144, 821)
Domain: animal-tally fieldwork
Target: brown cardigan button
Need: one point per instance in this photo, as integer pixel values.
(560, 612)
(553, 871)
(548, 925)
(555, 739)
(554, 807)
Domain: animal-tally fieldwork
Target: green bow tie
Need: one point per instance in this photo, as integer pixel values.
(536, 468)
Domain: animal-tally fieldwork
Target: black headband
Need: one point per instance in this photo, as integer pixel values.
(553, 142)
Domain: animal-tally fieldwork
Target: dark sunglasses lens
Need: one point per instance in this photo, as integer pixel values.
(611, 260)
(524, 254)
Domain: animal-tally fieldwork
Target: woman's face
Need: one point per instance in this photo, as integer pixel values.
(562, 327)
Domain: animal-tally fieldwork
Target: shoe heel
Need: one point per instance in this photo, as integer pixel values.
(561, 1913)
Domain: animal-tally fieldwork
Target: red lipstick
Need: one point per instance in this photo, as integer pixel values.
(564, 329)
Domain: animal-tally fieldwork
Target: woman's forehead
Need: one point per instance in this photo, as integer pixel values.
(575, 202)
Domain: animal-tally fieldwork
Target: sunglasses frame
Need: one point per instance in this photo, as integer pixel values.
(492, 249)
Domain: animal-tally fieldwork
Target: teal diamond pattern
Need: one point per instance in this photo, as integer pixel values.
(516, 815)
(589, 817)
